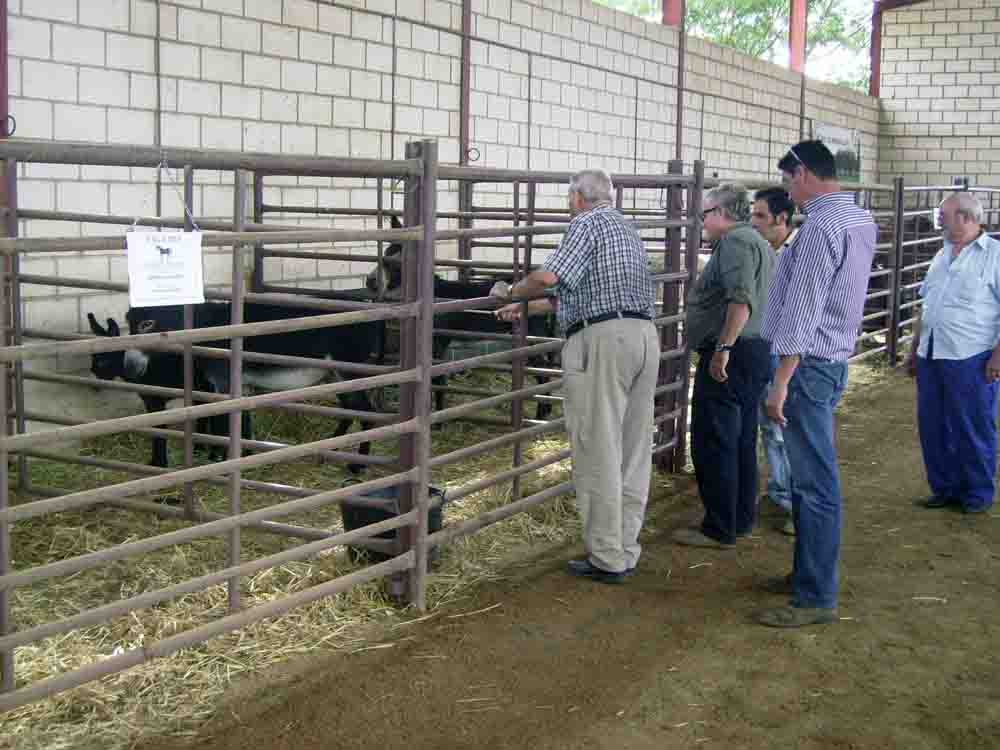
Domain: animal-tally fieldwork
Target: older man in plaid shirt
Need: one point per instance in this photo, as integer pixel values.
(604, 302)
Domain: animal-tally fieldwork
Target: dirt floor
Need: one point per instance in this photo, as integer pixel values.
(672, 660)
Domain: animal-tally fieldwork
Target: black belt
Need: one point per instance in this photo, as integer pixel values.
(581, 324)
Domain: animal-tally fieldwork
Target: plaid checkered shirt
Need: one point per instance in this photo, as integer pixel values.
(602, 268)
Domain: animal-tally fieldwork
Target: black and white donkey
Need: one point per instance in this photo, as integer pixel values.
(351, 343)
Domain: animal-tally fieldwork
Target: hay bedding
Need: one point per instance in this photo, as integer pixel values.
(174, 695)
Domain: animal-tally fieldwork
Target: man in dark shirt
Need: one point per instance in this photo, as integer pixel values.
(724, 311)
(604, 302)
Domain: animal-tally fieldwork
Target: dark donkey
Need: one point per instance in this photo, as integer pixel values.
(388, 281)
(351, 343)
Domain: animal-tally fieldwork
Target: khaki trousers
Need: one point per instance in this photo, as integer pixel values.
(610, 371)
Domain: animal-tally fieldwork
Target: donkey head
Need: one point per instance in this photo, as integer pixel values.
(387, 276)
(106, 365)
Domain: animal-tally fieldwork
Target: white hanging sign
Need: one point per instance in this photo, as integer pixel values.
(164, 268)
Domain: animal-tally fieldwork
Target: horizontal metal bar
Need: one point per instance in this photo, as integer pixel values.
(15, 443)
(445, 415)
(334, 412)
(450, 368)
(531, 230)
(160, 649)
(867, 354)
(146, 340)
(151, 598)
(202, 223)
(65, 152)
(121, 551)
(917, 266)
(223, 441)
(664, 447)
(505, 476)
(12, 246)
(491, 445)
(472, 525)
(923, 241)
(486, 174)
(87, 498)
(133, 468)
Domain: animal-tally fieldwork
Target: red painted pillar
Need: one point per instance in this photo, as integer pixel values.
(875, 50)
(673, 12)
(797, 34)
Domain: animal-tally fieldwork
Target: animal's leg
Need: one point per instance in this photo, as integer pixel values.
(159, 454)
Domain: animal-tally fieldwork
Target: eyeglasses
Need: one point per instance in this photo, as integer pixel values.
(707, 211)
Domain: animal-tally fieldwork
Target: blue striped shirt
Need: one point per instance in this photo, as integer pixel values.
(817, 295)
(602, 268)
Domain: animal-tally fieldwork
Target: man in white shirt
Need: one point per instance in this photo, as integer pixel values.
(956, 360)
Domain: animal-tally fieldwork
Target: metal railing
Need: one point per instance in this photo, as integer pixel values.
(676, 236)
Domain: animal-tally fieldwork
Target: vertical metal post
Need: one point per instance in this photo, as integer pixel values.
(257, 278)
(236, 381)
(421, 207)
(379, 269)
(15, 321)
(895, 279)
(520, 331)
(465, 190)
(189, 508)
(7, 656)
(692, 245)
(681, 64)
(669, 338)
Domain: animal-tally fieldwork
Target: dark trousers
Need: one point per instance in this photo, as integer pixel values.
(956, 410)
(724, 438)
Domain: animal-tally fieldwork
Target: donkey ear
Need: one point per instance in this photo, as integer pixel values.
(95, 326)
(113, 328)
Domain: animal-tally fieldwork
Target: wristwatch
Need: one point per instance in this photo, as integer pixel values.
(723, 347)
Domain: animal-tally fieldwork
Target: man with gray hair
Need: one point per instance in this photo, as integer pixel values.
(604, 302)
(725, 308)
(956, 360)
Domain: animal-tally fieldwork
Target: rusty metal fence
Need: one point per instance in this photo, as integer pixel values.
(665, 208)
(408, 471)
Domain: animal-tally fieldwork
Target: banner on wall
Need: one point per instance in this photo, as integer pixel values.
(164, 268)
(845, 143)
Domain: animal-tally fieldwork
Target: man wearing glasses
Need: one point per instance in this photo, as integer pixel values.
(724, 311)
(815, 305)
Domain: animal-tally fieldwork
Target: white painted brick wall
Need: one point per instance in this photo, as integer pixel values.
(306, 77)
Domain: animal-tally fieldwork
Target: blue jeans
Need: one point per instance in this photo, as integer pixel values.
(779, 489)
(956, 411)
(813, 393)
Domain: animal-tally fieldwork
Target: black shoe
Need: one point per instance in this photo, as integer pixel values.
(585, 569)
(781, 585)
(937, 501)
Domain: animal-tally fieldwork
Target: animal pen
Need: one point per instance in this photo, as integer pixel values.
(665, 208)
(408, 471)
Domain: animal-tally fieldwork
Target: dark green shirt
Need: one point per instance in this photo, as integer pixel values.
(739, 271)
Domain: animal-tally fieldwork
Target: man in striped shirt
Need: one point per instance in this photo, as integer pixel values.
(815, 305)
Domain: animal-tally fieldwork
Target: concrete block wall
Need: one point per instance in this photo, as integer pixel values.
(940, 92)
(556, 84)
